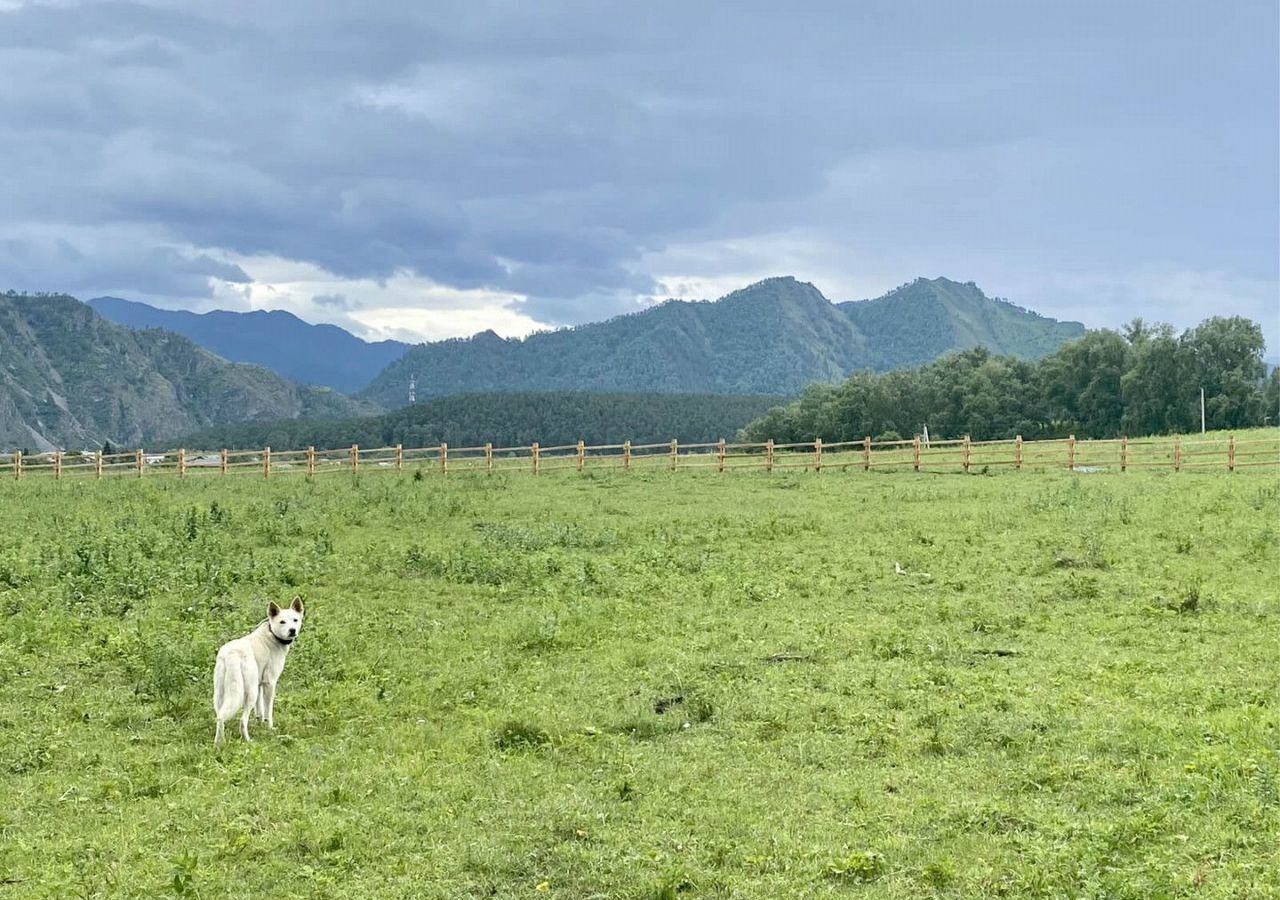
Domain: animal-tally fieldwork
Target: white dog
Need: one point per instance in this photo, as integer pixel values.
(245, 676)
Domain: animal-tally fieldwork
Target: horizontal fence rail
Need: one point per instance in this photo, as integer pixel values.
(1176, 454)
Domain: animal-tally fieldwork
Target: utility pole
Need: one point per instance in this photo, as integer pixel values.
(1202, 410)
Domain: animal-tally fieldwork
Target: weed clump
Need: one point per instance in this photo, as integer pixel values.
(164, 675)
(517, 735)
(1188, 601)
(864, 865)
(1082, 587)
(697, 710)
(939, 873)
(671, 888)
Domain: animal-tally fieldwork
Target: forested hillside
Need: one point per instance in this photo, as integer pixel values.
(508, 419)
(774, 337)
(1144, 381)
(69, 378)
(928, 318)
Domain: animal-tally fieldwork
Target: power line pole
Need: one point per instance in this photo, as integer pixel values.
(1202, 410)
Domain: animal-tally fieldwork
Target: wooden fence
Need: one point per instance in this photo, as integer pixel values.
(1122, 455)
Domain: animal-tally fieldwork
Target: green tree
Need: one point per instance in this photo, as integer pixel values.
(1225, 358)
(1157, 386)
(1271, 399)
(1081, 383)
(1143, 380)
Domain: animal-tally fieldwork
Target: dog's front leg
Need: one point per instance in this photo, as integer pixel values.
(269, 703)
(260, 704)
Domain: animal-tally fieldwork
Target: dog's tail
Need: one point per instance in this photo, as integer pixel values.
(228, 688)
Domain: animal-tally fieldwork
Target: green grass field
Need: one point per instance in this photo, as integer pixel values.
(648, 685)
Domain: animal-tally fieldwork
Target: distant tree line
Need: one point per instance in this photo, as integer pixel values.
(506, 419)
(1143, 380)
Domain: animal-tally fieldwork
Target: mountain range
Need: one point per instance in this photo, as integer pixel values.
(69, 378)
(274, 339)
(773, 337)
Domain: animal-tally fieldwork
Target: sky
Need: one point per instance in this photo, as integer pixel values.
(430, 170)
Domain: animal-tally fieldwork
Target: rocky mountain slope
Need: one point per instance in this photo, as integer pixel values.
(71, 379)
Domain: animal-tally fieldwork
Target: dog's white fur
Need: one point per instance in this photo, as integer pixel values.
(245, 675)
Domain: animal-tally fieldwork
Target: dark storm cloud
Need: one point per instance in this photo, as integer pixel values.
(550, 149)
(157, 270)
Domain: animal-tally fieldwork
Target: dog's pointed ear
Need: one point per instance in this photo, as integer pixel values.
(296, 606)
(272, 610)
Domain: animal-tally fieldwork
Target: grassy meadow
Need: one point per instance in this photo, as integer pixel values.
(648, 685)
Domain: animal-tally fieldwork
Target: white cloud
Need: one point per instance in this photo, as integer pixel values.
(405, 306)
(709, 269)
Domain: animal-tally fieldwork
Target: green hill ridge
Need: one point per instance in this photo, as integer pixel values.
(920, 322)
(774, 337)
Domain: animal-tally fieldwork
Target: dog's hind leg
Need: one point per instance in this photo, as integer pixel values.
(220, 671)
(249, 696)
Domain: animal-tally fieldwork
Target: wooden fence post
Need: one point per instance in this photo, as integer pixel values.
(1017, 453)
(1071, 453)
(355, 458)
(444, 459)
(399, 457)
(57, 464)
(1231, 454)
(488, 458)
(674, 455)
(140, 460)
(266, 462)
(721, 454)
(626, 454)
(536, 465)
(1177, 453)
(866, 454)
(915, 453)
(17, 464)
(968, 453)
(582, 454)
(225, 460)
(182, 462)
(311, 460)
(817, 454)
(768, 455)
(1124, 454)
(97, 466)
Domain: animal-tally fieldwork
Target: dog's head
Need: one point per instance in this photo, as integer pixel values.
(286, 623)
